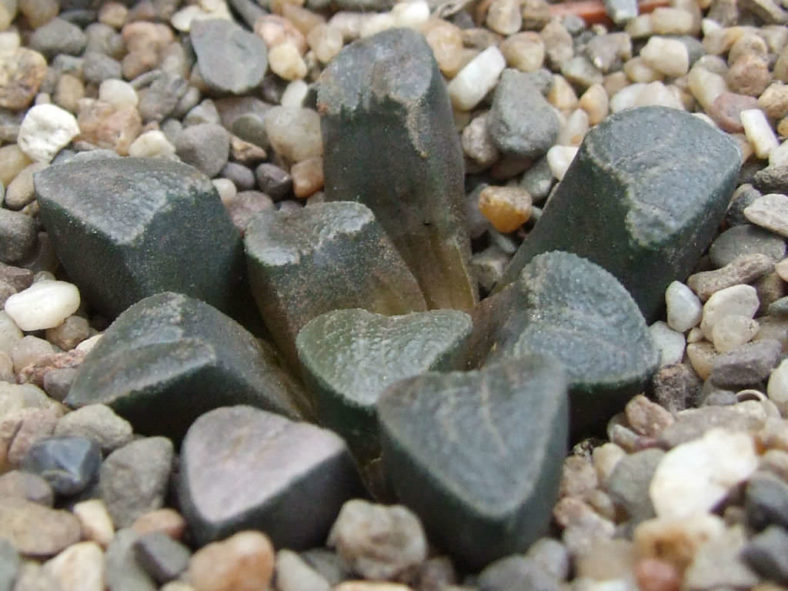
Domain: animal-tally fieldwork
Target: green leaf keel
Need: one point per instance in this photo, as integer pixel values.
(351, 356)
(170, 358)
(324, 257)
(127, 228)
(478, 455)
(568, 307)
(643, 198)
(391, 144)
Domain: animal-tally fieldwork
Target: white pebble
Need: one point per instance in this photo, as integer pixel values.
(574, 129)
(226, 189)
(45, 304)
(78, 568)
(45, 130)
(657, 94)
(668, 56)
(411, 14)
(118, 93)
(741, 300)
(559, 158)
(626, 98)
(286, 62)
(376, 23)
(777, 388)
(10, 41)
(705, 86)
(294, 133)
(669, 343)
(87, 345)
(95, 521)
(294, 94)
(693, 477)
(779, 156)
(732, 331)
(152, 144)
(476, 79)
(683, 307)
(759, 132)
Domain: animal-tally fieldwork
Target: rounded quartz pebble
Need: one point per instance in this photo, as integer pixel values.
(95, 521)
(244, 561)
(777, 387)
(45, 130)
(669, 342)
(45, 304)
(507, 208)
(731, 331)
(286, 62)
(476, 79)
(118, 93)
(151, 144)
(737, 299)
(684, 309)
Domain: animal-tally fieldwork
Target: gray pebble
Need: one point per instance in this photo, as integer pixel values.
(98, 423)
(69, 464)
(766, 553)
(581, 72)
(104, 39)
(205, 112)
(205, 146)
(772, 179)
(746, 365)
(693, 423)
(9, 565)
(17, 236)
(58, 36)
(133, 479)
(25, 485)
(538, 180)
(161, 556)
(98, 67)
(745, 239)
(328, 564)
(241, 176)
(57, 382)
(516, 572)
(766, 501)
(629, 483)
(161, 97)
(676, 387)
(273, 181)
(123, 572)
(743, 197)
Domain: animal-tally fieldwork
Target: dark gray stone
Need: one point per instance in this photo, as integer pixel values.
(68, 464)
(205, 146)
(676, 387)
(274, 181)
(98, 67)
(747, 365)
(244, 468)
(745, 239)
(9, 565)
(147, 225)
(123, 572)
(390, 142)
(521, 122)
(17, 236)
(26, 486)
(462, 450)
(351, 356)
(516, 572)
(181, 357)
(162, 557)
(766, 502)
(772, 179)
(766, 554)
(329, 256)
(134, 478)
(159, 99)
(629, 483)
(56, 37)
(623, 207)
(230, 59)
(570, 308)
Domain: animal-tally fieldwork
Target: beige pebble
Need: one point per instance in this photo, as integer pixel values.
(22, 71)
(275, 30)
(747, 44)
(476, 142)
(732, 331)
(118, 93)
(737, 299)
(561, 94)
(164, 520)
(646, 417)
(294, 133)
(638, 70)
(673, 21)
(506, 208)
(151, 144)
(326, 41)
(95, 521)
(594, 102)
(107, 126)
(524, 51)
(782, 269)
(302, 19)
(706, 86)
(769, 211)
(68, 92)
(574, 129)
(242, 562)
(370, 586)
(749, 75)
(307, 176)
(743, 269)
(606, 458)
(668, 56)
(12, 161)
(476, 79)
(504, 16)
(286, 62)
(774, 101)
(21, 191)
(701, 355)
(69, 333)
(445, 40)
(78, 568)
(559, 158)
(113, 14)
(676, 541)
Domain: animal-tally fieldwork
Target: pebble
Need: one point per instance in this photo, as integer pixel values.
(78, 568)
(12, 161)
(118, 93)
(523, 51)
(122, 569)
(726, 110)
(766, 500)
(770, 212)
(166, 520)
(95, 522)
(294, 133)
(759, 132)
(98, 423)
(476, 79)
(666, 55)
(45, 304)
(37, 531)
(18, 234)
(22, 71)
(307, 177)
(205, 146)
(161, 556)
(670, 343)
(745, 239)
(559, 158)
(676, 540)
(777, 387)
(693, 477)
(741, 300)
(134, 478)
(507, 208)
(515, 572)
(25, 485)
(20, 191)
(152, 144)
(286, 62)
(69, 464)
(242, 562)
(629, 482)
(765, 553)
(107, 126)
(746, 365)
(745, 268)
(732, 331)
(58, 36)
(9, 565)
(718, 563)
(684, 309)
(294, 574)
(30, 350)
(378, 542)
(45, 130)
(595, 103)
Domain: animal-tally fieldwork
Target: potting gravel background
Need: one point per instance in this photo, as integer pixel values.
(167, 167)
